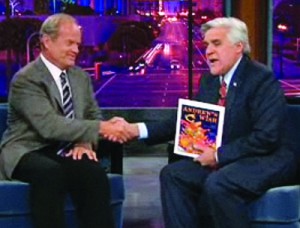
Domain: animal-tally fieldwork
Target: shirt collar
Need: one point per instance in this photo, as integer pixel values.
(54, 70)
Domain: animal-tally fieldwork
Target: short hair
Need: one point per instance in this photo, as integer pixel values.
(238, 31)
(51, 25)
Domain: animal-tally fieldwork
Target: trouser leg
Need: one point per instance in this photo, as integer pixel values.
(90, 190)
(228, 202)
(205, 218)
(181, 187)
(47, 189)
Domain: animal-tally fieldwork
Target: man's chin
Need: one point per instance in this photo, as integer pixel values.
(215, 72)
(71, 64)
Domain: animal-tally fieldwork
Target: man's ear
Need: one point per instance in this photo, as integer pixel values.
(240, 47)
(45, 39)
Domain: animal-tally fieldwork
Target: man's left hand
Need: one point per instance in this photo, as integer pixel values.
(79, 150)
(207, 157)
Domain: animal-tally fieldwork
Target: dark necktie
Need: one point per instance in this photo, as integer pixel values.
(67, 97)
(222, 93)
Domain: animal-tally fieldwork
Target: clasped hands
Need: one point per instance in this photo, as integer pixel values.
(117, 129)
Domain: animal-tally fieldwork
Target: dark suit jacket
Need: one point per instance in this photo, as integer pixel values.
(254, 117)
(35, 115)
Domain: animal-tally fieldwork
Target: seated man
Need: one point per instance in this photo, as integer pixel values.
(53, 124)
(252, 157)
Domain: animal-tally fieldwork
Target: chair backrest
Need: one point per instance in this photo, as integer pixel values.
(3, 118)
(292, 130)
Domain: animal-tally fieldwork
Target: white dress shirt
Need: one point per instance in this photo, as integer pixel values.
(55, 73)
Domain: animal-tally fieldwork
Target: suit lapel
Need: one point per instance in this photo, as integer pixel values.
(73, 83)
(49, 81)
(235, 83)
(232, 95)
(55, 92)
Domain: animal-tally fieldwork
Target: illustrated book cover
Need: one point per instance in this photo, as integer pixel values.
(198, 124)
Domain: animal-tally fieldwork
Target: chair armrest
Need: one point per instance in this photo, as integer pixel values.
(111, 156)
(172, 157)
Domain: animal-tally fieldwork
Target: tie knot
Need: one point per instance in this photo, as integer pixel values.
(63, 77)
(222, 78)
(223, 83)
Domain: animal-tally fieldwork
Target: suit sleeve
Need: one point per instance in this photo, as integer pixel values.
(161, 131)
(30, 99)
(92, 110)
(255, 127)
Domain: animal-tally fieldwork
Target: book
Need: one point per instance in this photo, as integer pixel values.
(198, 123)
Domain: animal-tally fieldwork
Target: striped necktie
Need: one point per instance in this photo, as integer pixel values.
(222, 93)
(67, 96)
(67, 108)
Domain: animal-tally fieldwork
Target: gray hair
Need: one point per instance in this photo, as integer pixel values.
(238, 31)
(51, 25)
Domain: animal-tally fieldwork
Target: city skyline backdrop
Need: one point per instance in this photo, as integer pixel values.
(123, 7)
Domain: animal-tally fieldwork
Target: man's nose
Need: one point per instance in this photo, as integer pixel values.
(208, 50)
(76, 49)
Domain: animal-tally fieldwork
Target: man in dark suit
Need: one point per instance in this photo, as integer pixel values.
(54, 124)
(252, 157)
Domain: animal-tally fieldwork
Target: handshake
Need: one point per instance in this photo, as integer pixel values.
(117, 129)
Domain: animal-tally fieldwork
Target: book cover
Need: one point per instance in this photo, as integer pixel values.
(197, 124)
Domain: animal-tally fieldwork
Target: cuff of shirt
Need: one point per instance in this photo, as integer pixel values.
(216, 156)
(143, 130)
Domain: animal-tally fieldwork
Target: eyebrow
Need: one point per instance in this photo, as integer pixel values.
(211, 41)
(216, 40)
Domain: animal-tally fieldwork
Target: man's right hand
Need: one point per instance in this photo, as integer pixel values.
(118, 129)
